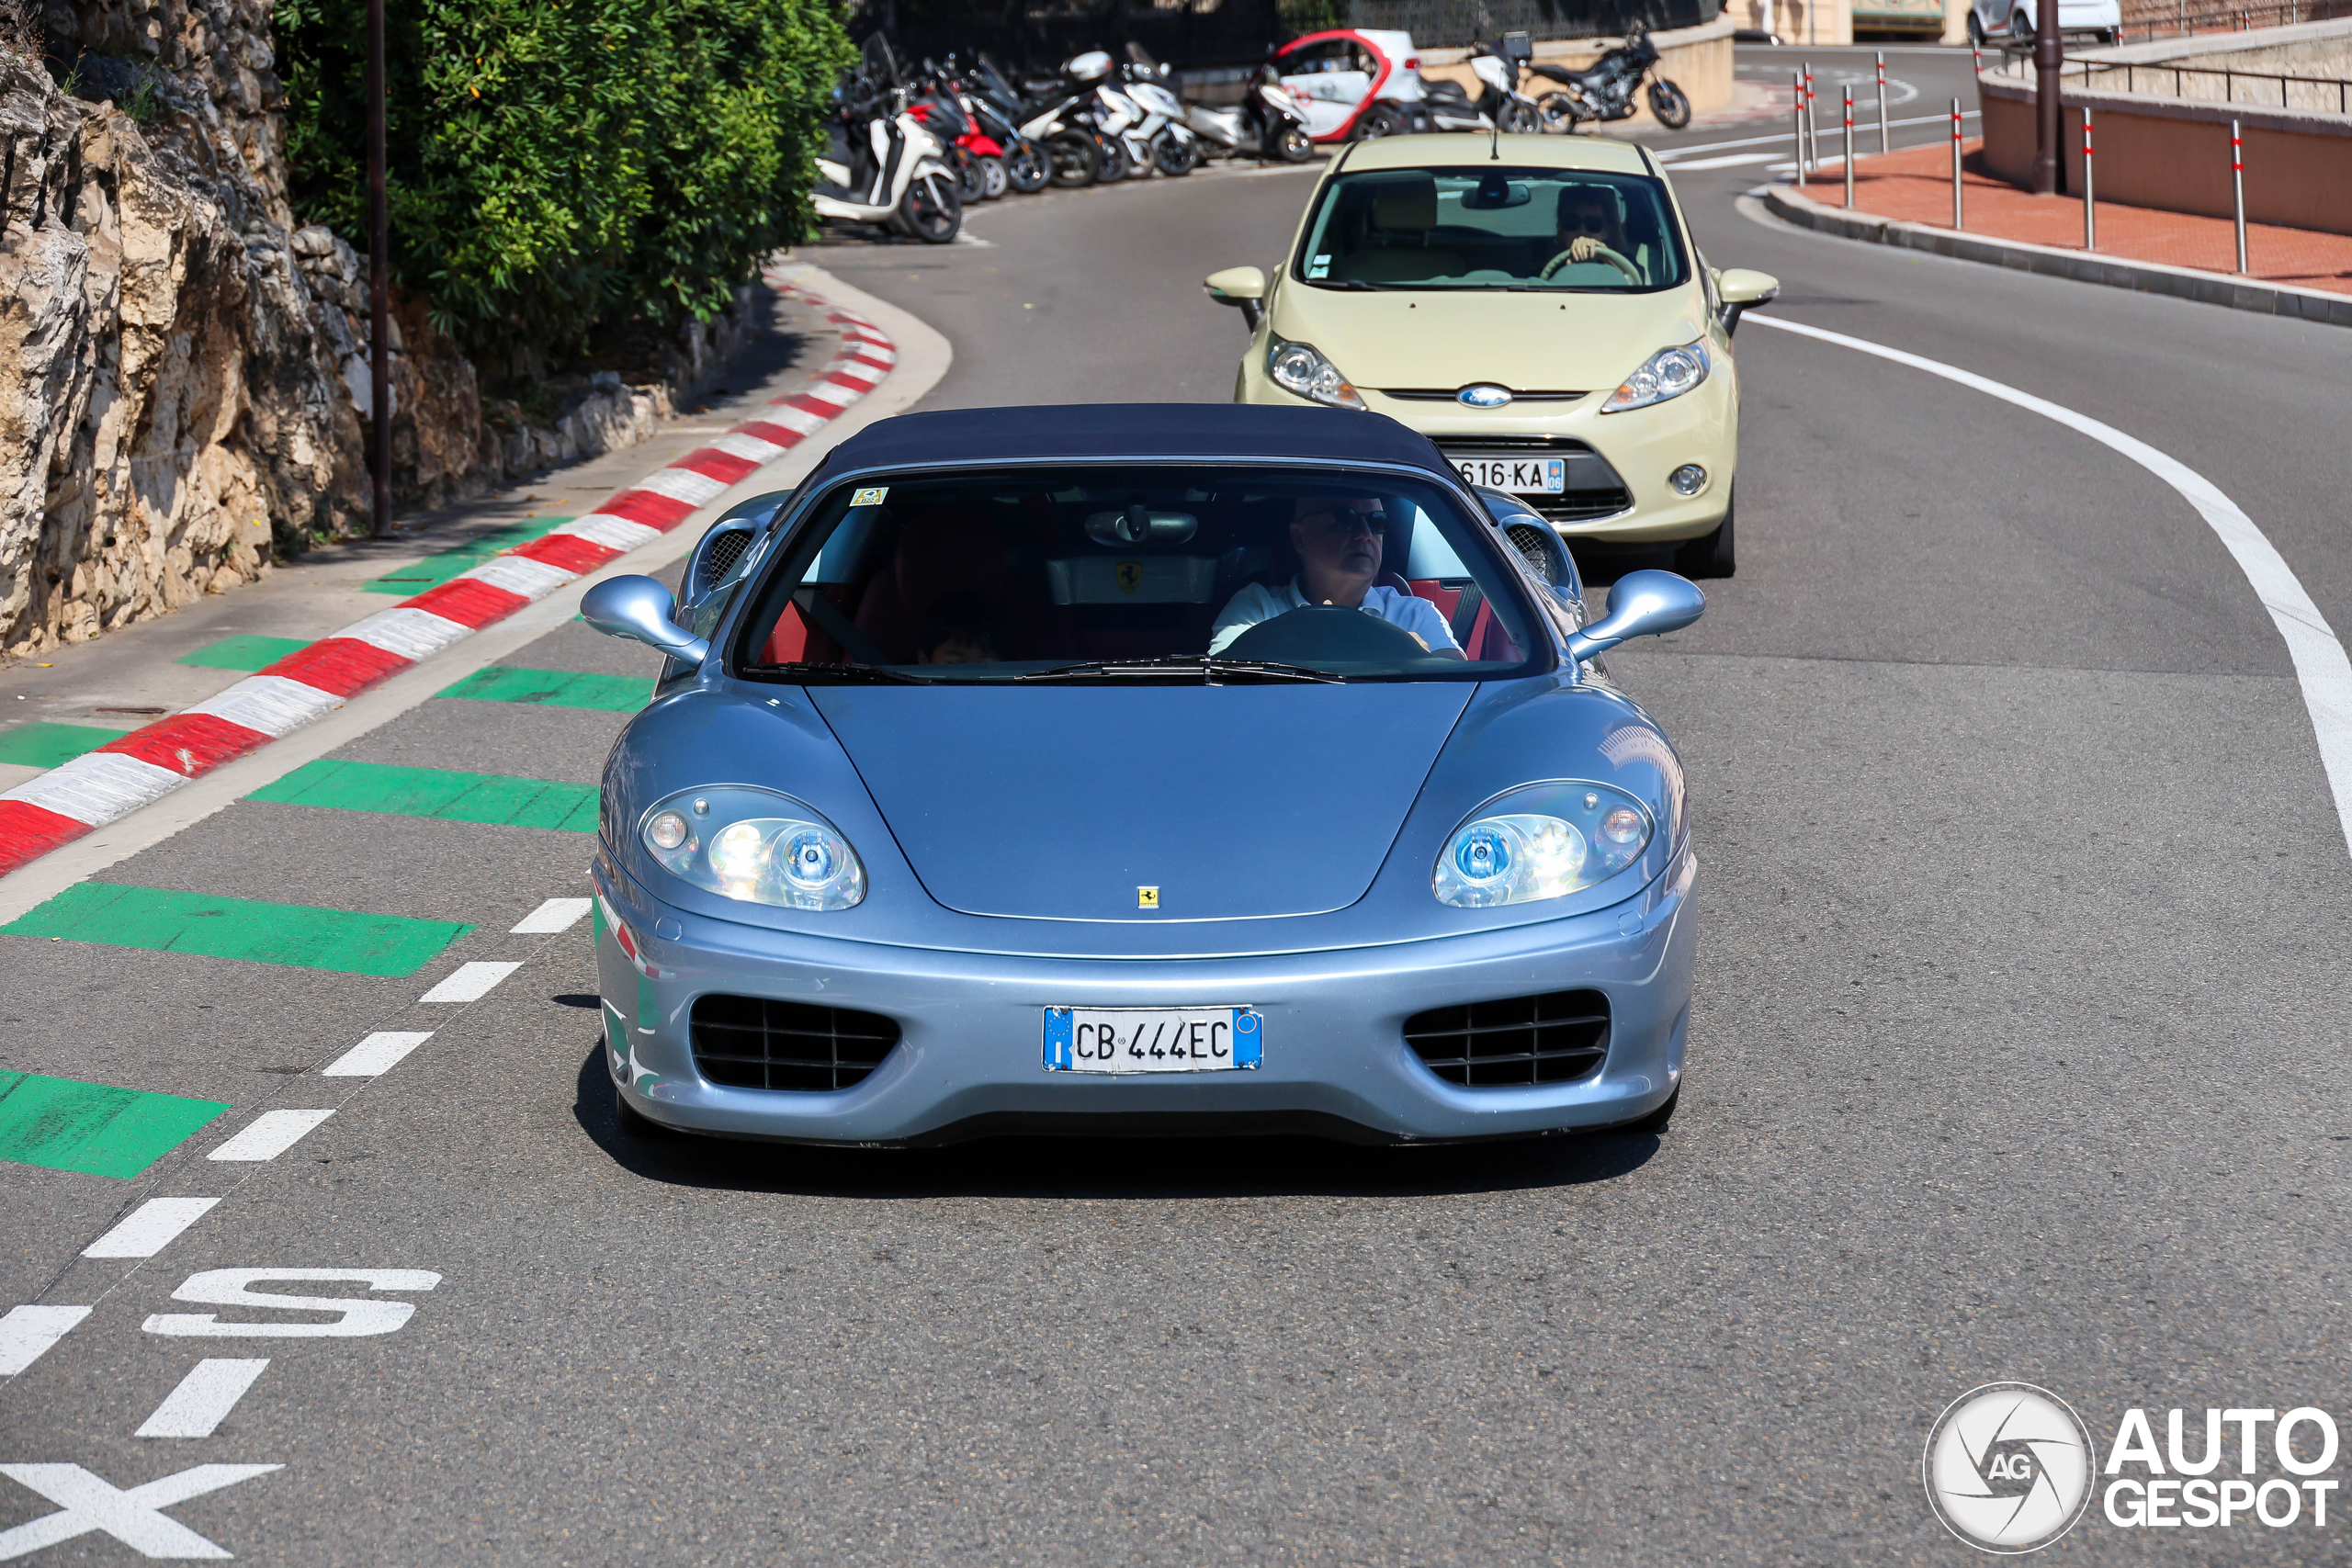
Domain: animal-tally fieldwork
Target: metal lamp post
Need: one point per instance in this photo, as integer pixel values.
(2047, 61)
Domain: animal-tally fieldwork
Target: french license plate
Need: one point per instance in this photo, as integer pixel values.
(1522, 475)
(1153, 1040)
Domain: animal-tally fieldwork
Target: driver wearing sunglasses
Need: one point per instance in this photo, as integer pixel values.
(1338, 543)
(1591, 232)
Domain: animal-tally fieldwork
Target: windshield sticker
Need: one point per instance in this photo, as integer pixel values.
(1320, 266)
(871, 496)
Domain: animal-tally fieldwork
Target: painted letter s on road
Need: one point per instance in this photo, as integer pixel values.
(227, 1287)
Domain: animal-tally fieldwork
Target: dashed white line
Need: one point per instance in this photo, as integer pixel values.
(379, 1053)
(471, 983)
(148, 1228)
(27, 1332)
(204, 1398)
(2322, 668)
(555, 914)
(269, 1134)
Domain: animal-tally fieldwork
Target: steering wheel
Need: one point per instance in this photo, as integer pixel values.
(1602, 254)
(1328, 632)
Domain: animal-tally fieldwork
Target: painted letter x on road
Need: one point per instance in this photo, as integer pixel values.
(132, 1517)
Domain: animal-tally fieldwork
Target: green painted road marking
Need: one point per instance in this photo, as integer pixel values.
(45, 745)
(554, 688)
(443, 565)
(301, 935)
(436, 792)
(243, 652)
(94, 1128)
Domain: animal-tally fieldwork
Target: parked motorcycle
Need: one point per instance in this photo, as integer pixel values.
(1174, 149)
(995, 109)
(1604, 90)
(883, 164)
(1266, 124)
(1062, 124)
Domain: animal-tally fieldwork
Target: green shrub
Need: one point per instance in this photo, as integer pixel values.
(559, 168)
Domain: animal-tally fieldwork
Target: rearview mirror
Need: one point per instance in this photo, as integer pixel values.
(1741, 289)
(1643, 603)
(1241, 287)
(638, 609)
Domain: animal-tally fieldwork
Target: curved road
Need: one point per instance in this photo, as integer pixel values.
(2018, 1054)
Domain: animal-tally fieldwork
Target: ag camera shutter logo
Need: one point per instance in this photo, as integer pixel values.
(2008, 1467)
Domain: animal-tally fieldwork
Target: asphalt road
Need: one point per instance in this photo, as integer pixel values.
(2016, 1054)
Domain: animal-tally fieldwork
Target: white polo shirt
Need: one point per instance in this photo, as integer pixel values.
(1258, 603)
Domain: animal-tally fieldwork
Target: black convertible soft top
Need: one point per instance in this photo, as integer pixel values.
(1061, 432)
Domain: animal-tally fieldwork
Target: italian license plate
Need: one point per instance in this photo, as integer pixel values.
(1153, 1040)
(1522, 475)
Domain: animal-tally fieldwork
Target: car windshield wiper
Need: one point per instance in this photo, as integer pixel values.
(836, 674)
(1357, 283)
(1207, 669)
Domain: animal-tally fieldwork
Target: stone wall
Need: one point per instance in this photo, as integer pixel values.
(184, 388)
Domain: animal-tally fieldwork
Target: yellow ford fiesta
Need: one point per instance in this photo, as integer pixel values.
(1535, 306)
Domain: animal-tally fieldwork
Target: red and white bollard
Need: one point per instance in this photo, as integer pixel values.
(1849, 146)
(2237, 188)
(1955, 164)
(1883, 146)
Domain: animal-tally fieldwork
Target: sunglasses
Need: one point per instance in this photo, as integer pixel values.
(1350, 520)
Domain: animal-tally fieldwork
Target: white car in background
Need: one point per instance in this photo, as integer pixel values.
(2012, 21)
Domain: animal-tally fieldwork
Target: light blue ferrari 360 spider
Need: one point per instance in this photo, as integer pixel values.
(1153, 769)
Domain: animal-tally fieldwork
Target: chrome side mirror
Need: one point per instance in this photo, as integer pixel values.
(639, 608)
(1643, 603)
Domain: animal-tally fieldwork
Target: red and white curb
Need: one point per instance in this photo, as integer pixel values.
(119, 777)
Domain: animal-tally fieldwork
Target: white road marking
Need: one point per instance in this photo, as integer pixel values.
(203, 1399)
(555, 914)
(131, 1517)
(271, 704)
(1671, 157)
(269, 1134)
(379, 1053)
(229, 1287)
(148, 1228)
(471, 983)
(1728, 161)
(27, 1332)
(2322, 668)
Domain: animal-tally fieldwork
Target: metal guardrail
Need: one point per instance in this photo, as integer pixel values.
(2186, 22)
(2323, 88)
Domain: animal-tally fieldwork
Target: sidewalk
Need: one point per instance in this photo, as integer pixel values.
(1914, 187)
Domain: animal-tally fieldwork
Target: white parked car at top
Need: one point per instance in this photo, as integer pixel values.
(2011, 22)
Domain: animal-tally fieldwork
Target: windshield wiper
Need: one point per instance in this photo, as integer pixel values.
(836, 674)
(1357, 283)
(1209, 670)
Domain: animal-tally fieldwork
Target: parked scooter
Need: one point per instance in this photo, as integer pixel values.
(1171, 145)
(1604, 91)
(1062, 125)
(1266, 124)
(884, 166)
(1498, 73)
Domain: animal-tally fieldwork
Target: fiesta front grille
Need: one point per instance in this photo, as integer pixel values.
(1443, 395)
(754, 1043)
(1514, 1043)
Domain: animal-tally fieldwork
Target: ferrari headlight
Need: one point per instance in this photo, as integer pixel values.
(755, 845)
(1544, 842)
(1297, 367)
(1669, 373)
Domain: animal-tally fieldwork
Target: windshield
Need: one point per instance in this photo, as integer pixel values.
(1140, 575)
(1494, 227)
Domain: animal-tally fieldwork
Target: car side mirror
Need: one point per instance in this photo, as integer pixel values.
(1241, 287)
(1643, 603)
(639, 609)
(1742, 289)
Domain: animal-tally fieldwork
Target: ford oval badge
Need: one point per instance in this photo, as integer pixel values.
(1483, 396)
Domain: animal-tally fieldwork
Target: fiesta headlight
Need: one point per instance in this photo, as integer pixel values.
(1298, 367)
(1669, 373)
(1544, 842)
(755, 845)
